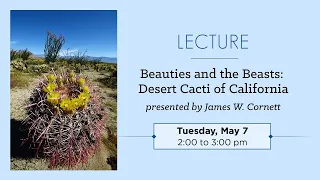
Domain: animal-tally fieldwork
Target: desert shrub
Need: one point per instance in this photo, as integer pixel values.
(55, 65)
(62, 62)
(18, 64)
(53, 46)
(14, 54)
(75, 57)
(79, 58)
(78, 68)
(112, 69)
(24, 54)
(85, 67)
(100, 66)
(110, 80)
(105, 67)
(91, 63)
(31, 62)
(34, 61)
(43, 68)
(65, 119)
(96, 61)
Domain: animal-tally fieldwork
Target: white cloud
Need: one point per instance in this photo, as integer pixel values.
(13, 42)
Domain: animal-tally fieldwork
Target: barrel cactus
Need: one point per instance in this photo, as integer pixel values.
(65, 119)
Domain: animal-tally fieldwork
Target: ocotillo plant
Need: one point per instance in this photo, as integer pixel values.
(65, 119)
(53, 46)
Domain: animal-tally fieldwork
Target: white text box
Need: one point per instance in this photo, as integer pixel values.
(213, 136)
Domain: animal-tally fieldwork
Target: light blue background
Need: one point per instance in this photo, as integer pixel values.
(283, 36)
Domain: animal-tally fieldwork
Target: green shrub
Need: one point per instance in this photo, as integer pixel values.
(18, 64)
(25, 54)
(109, 81)
(76, 58)
(85, 67)
(34, 61)
(78, 68)
(100, 67)
(105, 67)
(14, 54)
(62, 62)
(54, 65)
(112, 69)
(42, 68)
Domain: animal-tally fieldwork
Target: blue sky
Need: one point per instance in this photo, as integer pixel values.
(94, 31)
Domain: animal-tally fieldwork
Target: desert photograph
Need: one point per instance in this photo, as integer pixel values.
(63, 89)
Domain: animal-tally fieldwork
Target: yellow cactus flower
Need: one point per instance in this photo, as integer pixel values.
(53, 98)
(49, 88)
(60, 81)
(66, 80)
(51, 78)
(81, 82)
(71, 74)
(67, 105)
(75, 103)
(73, 80)
(86, 89)
(84, 97)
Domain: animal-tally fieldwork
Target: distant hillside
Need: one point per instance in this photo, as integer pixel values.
(103, 59)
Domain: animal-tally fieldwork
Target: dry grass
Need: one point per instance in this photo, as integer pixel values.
(28, 164)
(20, 91)
(20, 80)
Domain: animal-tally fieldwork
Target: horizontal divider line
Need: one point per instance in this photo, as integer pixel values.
(215, 58)
(135, 136)
(290, 136)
